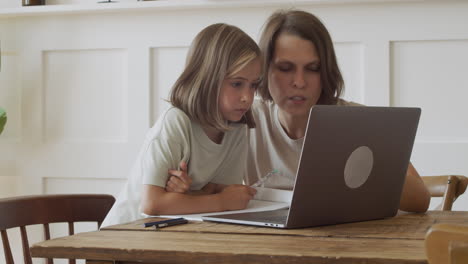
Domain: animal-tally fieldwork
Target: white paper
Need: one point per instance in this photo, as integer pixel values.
(266, 199)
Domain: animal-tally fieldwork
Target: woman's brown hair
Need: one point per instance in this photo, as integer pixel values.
(308, 27)
(217, 52)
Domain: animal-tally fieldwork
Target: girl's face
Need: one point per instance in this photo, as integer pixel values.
(237, 91)
(294, 75)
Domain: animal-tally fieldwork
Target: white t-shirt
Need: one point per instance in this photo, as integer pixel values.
(176, 138)
(270, 148)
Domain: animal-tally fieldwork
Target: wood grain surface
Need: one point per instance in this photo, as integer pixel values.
(394, 240)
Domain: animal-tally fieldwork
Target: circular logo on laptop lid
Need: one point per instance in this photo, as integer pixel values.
(358, 167)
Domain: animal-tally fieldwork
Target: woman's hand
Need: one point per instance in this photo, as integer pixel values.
(179, 181)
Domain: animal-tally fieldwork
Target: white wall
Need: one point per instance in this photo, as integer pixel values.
(82, 88)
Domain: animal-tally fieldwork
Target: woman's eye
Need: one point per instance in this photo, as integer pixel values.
(314, 68)
(254, 86)
(284, 68)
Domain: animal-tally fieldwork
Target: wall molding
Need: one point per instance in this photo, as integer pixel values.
(164, 5)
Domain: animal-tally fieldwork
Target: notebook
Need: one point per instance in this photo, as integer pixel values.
(352, 168)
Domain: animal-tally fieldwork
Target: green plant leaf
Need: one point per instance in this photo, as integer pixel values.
(3, 119)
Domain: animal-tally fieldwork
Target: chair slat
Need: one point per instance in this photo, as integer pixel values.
(46, 231)
(24, 239)
(6, 248)
(449, 195)
(71, 228)
(47, 237)
(71, 231)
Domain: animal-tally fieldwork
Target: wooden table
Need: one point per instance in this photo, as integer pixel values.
(394, 240)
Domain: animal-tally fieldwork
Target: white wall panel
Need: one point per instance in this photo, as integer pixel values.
(351, 63)
(167, 63)
(56, 185)
(85, 95)
(7, 186)
(432, 75)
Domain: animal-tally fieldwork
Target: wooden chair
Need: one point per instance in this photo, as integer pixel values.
(44, 209)
(447, 186)
(447, 244)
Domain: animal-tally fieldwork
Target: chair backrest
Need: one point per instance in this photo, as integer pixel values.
(447, 244)
(45, 209)
(447, 186)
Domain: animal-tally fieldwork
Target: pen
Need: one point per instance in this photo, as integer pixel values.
(168, 222)
(172, 223)
(264, 178)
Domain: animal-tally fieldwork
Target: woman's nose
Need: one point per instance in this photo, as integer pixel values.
(299, 80)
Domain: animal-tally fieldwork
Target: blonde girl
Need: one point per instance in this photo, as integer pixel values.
(205, 128)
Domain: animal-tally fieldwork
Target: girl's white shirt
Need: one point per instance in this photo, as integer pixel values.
(176, 138)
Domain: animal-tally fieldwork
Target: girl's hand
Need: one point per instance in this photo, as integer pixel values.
(179, 181)
(236, 196)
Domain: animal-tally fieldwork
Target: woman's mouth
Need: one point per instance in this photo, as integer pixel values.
(297, 99)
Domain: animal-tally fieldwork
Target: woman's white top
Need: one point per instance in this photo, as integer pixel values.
(270, 148)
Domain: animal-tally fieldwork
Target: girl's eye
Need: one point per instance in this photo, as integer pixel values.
(236, 84)
(254, 86)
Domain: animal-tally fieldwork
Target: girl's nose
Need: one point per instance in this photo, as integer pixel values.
(247, 96)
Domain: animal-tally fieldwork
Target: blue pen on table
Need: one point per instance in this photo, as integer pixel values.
(164, 223)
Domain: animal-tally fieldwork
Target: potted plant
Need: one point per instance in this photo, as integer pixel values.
(3, 119)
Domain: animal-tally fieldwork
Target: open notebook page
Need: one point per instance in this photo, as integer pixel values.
(266, 199)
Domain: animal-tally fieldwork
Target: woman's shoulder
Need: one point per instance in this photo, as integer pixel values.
(262, 107)
(342, 102)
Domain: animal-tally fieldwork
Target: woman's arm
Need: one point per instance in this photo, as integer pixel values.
(156, 200)
(415, 196)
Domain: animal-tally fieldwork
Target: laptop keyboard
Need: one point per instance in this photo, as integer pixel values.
(274, 216)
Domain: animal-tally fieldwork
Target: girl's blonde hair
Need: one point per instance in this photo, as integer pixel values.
(219, 51)
(308, 27)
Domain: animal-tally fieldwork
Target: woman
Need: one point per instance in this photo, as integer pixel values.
(300, 70)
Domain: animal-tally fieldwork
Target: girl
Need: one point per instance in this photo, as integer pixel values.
(205, 128)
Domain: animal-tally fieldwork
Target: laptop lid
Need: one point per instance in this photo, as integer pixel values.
(352, 167)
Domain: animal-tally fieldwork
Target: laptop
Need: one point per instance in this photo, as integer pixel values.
(352, 168)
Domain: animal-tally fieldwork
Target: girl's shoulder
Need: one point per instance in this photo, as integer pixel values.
(175, 114)
(171, 122)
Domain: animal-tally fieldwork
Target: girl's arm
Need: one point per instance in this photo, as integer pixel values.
(156, 200)
(415, 196)
(180, 182)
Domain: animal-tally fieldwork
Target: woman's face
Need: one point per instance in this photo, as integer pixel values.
(294, 75)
